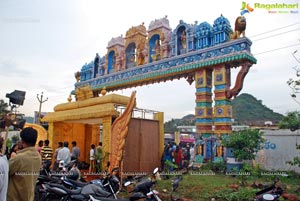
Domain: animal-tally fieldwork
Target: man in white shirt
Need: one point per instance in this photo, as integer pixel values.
(64, 154)
(193, 154)
(3, 173)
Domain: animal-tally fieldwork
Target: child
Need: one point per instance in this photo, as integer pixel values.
(92, 158)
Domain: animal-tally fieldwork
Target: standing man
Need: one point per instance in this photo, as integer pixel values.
(75, 151)
(3, 172)
(24, 168)
(99, 156)
(92, 158)
(64, 154)
(56, 162)
(47, 153)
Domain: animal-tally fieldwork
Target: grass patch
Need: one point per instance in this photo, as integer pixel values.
(203, 186)
(226, 187)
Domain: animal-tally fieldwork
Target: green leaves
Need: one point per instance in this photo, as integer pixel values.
(245, 143)
(3, 107)
(291, 121)
(295, 161)
(294, 84)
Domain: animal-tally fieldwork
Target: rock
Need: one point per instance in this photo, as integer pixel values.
(289, 197)
(235, 187)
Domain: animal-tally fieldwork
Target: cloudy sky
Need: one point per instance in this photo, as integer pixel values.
(43, 42)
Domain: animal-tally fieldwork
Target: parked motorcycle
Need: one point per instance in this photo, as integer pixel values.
(143, 189)
(47, 176)
(111, 184)
(44, 177)
(59, 191)
(270, 193)
(95, 198)
(68, 188)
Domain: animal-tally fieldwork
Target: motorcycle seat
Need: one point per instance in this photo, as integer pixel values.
(63, 188)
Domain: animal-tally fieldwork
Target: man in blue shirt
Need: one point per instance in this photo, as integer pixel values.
(75, 151)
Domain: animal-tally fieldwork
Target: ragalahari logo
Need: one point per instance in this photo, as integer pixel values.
(246, 8)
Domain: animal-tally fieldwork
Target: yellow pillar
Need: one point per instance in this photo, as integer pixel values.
(160, 117)
(106, 138)
(50, 137)
(223, 106)
(52, 141)
(96, 134)
(203, 110)
(177, 137)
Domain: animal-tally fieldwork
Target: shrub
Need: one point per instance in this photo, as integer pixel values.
(245, 143)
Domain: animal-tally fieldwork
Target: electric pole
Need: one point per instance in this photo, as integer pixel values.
(40, 99)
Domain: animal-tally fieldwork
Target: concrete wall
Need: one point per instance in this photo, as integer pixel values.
(279, 148)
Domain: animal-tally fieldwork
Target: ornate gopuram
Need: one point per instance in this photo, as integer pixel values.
(201, 53)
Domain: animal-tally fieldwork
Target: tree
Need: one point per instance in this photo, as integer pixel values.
(294, 84)
(245, 143)
(3, 112)
(296, 159)
(170, 126)
(291, 121)
(3, 107)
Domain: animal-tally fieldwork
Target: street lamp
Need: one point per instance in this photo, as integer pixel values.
(16, 97)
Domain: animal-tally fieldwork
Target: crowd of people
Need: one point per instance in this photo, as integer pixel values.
(62, 155)
(19, 173)
(177, 156)
(21, 164)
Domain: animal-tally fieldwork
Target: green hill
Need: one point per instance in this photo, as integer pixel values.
(250, 111)
(247, 110)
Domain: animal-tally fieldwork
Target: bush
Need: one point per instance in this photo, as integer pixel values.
(245, 143)
(215, 166)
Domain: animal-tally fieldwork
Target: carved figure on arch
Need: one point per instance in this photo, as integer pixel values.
(114, 61)
(156, 51)
(140, 57)
(183, 39)
(132, 56)
(97, 61)
(77, 76)
(141, 52)
(239, 28)
(120, 63)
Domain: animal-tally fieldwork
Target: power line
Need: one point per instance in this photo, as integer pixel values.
(275, 30)
(277, 49)
(276, 34)
(267, 32)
